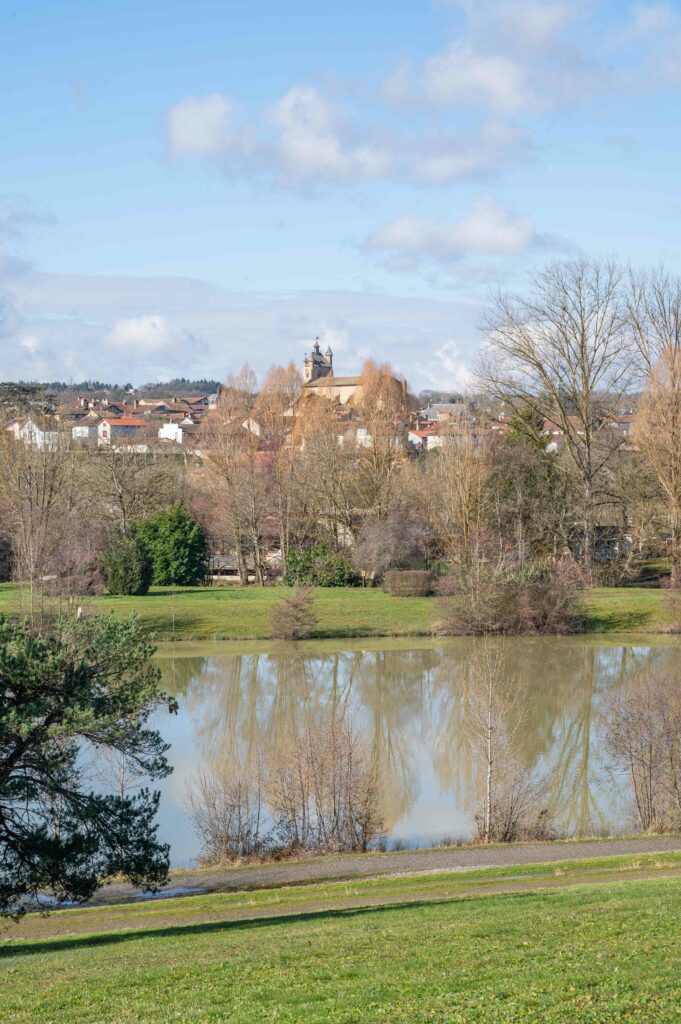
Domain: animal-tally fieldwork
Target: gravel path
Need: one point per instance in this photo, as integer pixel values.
(366, 865)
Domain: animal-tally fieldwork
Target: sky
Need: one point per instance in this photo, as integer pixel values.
(185, 186)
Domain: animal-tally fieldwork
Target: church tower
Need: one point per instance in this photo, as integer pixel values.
(317, 365)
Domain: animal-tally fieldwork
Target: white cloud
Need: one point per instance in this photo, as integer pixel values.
(443, 159)
(488, 230)
(535, 24)
(449, 369)
(510, 58)
(310, 148)
(459, 76)
(302, 141)
(151, 335)
(202, 126)
(465, 110)
(75, 319)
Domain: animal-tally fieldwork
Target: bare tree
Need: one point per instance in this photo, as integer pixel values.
(235, 473)
(458, 473)
(654, 312)
(123, 484)
(567, 353)
(323, 786)
(384, 409)
(658, 433)
(228, 815)
(511, 790)
(327, 470)
(275, 411)
(294, 617)
(39, 498)
(643, 735)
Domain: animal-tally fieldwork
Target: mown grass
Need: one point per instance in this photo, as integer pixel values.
(235, 613)
(232, 612)
(440, 948)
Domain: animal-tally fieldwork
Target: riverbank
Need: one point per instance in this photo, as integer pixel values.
(242, 613)
(588, 940)
(498, 857)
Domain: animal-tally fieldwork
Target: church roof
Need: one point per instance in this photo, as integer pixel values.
(330, 382)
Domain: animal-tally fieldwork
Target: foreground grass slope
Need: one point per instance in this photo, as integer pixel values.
(235, 613)
(596, 953)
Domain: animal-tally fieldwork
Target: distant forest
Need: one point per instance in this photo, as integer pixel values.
(180, 386)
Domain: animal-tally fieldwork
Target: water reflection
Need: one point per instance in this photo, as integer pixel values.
(414, 704)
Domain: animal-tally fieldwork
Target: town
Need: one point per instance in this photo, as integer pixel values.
(340, 512)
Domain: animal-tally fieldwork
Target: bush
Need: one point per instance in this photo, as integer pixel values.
(127, 564)
(294, 617)
(409, 582)
(319, 567)
(399, 541)
(490, 600)
(177, 546)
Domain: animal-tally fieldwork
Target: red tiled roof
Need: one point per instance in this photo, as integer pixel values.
(124, 421)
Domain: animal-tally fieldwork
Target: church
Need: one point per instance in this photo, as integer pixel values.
(318, 378)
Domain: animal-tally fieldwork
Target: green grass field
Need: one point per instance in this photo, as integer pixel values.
(591, 941)
(235, 613)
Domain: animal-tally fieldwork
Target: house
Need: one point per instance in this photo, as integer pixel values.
(119, 430)
(178, 433)
(38, 433)
(84, 432)
(443, 411)
(429, 437)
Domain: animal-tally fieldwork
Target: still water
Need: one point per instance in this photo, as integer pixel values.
(410, 700)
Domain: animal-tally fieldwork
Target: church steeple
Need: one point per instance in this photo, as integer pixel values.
(317, 365)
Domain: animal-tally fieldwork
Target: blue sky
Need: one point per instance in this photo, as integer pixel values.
(189, 185)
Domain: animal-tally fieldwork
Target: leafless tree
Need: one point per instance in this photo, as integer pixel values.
(383, 407)
(567, 354)
(123, 484)
(398, 541)
(294, 617)
(458, 474)
(235, 474)
(511, 790)
(275, 411)
(327, 472)
(643, 736)
(40, 500)
(228, 815)
(658, 433)
(654, 312)
(323, 787)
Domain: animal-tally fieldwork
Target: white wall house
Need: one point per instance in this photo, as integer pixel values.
(171, 432)
(39, 437)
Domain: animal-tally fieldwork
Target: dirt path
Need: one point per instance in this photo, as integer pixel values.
(366, 865)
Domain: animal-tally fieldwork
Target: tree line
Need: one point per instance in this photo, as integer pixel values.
(588, 354)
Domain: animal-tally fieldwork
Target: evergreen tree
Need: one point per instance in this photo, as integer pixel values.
(177, 547)
(90, 682)
(127, 564)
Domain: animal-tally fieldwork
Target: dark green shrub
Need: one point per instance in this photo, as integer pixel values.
(177, 546)
(409, 582)
(127, 564)
(320, 567)
(5, 560)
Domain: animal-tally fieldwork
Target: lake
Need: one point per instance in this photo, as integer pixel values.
(410, 699)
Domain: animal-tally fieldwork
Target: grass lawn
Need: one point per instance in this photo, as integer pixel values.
(566, 944)
(235, 613)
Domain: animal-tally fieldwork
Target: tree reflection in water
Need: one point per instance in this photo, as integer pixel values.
(414, 702)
